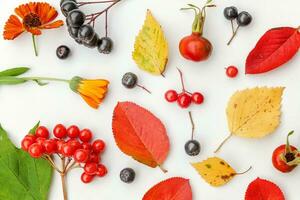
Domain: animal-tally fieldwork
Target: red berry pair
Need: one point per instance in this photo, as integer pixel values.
(72, 145)
(185, 98)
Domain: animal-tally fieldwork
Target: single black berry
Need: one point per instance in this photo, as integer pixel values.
(231, 12)
(129, 80)
(92, 43)
(76, 18)
(105, 45)
(192, 147)
(73, 32)
(67, 7)
(62, 52)
(127, 175)
(63, 1)
(86, 32)
(244, 19)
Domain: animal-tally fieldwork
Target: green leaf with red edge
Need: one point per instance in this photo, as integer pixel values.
(261, 189)
(171, 189)
(140, 134)
(276, 47)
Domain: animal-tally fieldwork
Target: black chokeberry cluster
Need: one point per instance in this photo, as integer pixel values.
(81, 27)
(242, 19)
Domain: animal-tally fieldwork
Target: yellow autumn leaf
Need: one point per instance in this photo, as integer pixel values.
(151, 47)
(254, 113)
(215, 171)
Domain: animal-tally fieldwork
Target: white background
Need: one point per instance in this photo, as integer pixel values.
(23, 105)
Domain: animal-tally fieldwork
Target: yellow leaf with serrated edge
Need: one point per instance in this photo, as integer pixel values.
(215, 171)
(151, 47)
(254, 113)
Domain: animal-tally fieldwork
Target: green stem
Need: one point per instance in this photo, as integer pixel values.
(288, 146)
(34, 45)
(45, 79)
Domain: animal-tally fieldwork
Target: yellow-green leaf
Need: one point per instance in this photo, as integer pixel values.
(254, 113)
(151, 47)
(215, 171)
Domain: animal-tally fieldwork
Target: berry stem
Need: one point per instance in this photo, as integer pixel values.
(221, 145)
(181, 79)
(288, 146)
(93, 2)
(241, 173)
(162, 169)
(232, 26)
(106, 23)
(233, 35)
(64, 187)
(34, 45)
(51, 162)
(144, 88)
(193, 124)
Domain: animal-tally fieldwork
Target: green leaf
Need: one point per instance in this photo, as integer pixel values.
(10, 80)
(14, 71)
(208, 2)
(32, 131)
(22, 177)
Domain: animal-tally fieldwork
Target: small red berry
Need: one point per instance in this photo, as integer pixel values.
(95, 158)
(50, 146)
(102, 170)
(59, 145)
(232, 71)
(26, 143)
(86, 178)
(40, 140)
(36, 150)
(85, 135)
(171, 96)
(98, 146)
(86, 146)
(73, 131)
(81, 155)
(184, 100)
(60, 131)
(75, 143)
(68, 150)
(197, 98)
(90, 168)
(42, 131)
(31, 137)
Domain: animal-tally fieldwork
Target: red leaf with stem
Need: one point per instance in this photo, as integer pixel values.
(140, 134)
(276, 47)
(261, 189)
(171, 189)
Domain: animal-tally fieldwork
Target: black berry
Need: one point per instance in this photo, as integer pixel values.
(86, 32)
(78, 41)
(129, 80)
(127, 175)
(105, 45)
(192, 147)
(76, 18)
(244, 19)
(63, 1)
(62, 52)
(73, 32)
(231, 12)
(92, 43)
(67, 7)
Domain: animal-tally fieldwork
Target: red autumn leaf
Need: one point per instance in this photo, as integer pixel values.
(261, 189)
(276, 47)
(170, 189)
(139, 134)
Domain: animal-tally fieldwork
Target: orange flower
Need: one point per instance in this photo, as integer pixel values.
(92, 91)
(35, 16)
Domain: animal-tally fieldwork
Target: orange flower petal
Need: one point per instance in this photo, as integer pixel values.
(34, 31)
(90, 102)
(46, 12)
(13, 28)
(89, 94)
(55, 24)
(98, 82)
(26, 9)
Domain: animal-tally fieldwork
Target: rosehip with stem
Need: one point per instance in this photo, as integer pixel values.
(195, 47)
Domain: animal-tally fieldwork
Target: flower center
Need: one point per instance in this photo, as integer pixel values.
(32, 20)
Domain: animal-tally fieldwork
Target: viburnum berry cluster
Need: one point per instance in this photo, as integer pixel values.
(74, 147)
(185, 98)
(81, 27)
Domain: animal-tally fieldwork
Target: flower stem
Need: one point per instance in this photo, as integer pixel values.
(45, 79)
(34, 45)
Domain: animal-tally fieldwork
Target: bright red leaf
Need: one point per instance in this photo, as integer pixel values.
(170, 189)
(276, 47)
(138, 133)
(261, 189)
